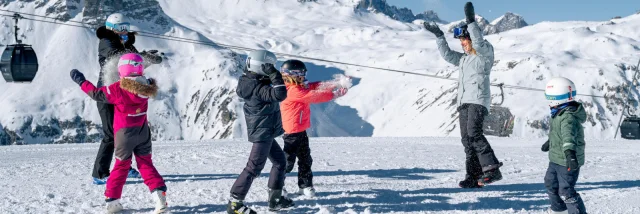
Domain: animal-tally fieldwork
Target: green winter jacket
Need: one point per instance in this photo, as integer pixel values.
(567, 133)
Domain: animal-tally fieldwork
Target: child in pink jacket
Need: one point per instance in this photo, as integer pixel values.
(131, 130)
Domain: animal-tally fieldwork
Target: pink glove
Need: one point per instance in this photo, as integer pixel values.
(340, 92)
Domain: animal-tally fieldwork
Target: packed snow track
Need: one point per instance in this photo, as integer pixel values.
(352, 175)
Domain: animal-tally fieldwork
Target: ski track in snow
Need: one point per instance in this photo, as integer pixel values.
(352, 175)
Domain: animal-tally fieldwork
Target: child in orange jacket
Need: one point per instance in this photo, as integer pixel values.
(296, 119)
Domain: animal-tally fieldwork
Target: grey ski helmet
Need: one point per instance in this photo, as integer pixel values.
(256, 59)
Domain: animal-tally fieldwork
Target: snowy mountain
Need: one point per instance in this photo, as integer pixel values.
(401, 14)
(506, 22)
(198, 100)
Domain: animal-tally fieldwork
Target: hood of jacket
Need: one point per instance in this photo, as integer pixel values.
(104, 33)
(139, 86)
(577, 110)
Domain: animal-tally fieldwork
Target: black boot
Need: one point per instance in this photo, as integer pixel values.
(490, 177)
(469, 182)
(277, 201)
(238, 207)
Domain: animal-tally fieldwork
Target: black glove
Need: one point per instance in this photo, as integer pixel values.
(433, 28)
(545, 146)
(151, 81)
(469, 13)
(77, 76)
(572, 160)
(273, 73)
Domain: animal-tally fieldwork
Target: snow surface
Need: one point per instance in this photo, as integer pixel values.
(352, 175)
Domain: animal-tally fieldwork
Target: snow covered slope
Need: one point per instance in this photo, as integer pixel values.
(596, 55)
(352, 175)
(197, 82)
(198, 100)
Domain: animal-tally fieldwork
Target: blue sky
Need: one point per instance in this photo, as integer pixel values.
(533, 11)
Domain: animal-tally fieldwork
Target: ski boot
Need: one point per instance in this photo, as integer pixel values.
(238, 207)
(307, 191)
(469, 182)
(160, 197)
(490, 177)
(113, 205)
(133, 173)
(278, 202)
(98, 181)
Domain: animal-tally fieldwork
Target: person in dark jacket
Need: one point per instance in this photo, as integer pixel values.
(474, 98)
(262, 88)
(115, 40)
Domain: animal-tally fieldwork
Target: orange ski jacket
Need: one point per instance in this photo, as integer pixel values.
(296, 112)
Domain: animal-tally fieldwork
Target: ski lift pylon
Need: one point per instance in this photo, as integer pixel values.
(18, 62)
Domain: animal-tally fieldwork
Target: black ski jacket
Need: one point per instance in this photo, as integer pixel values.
(261, 105)
(110, 46)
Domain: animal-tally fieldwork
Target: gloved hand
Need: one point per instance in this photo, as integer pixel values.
(340, 92)
(273, 73)
(77, 76)
(469, 13)
(545, 146)
(151, 81)
(151, 56)
(572, 160)
(433, 28)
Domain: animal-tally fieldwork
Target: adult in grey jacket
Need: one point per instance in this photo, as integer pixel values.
(474, 98)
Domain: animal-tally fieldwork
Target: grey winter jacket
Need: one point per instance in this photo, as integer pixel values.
(473, 80)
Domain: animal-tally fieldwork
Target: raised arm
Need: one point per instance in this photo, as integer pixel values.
(450, 56)
(102, 94)
(482, 46)
(277, 92)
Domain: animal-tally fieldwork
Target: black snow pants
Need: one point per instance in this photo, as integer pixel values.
(560, 185)
(297, 145)
(479, 155)
(257, 159)
(105, 152)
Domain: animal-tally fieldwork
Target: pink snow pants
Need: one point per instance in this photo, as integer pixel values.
(136, 141)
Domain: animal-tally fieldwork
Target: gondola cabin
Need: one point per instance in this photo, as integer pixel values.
(18, 63)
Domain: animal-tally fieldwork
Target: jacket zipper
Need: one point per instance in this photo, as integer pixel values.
(302, 112)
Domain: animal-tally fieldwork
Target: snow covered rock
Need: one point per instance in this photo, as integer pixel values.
(401, 14)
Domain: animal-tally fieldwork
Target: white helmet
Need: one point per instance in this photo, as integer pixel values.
(559, 91)
(257, 58)
(117, 22)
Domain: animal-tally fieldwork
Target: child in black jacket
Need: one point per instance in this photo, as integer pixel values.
(262, 88)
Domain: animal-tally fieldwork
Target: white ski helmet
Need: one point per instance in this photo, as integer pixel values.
(559, 91)
(117, 22)
(256, 59)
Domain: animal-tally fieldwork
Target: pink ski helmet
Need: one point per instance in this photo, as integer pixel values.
(131, 65)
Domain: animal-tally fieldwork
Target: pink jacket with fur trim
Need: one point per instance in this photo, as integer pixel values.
(130, 98)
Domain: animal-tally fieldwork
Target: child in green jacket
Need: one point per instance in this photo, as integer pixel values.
(565, 146)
